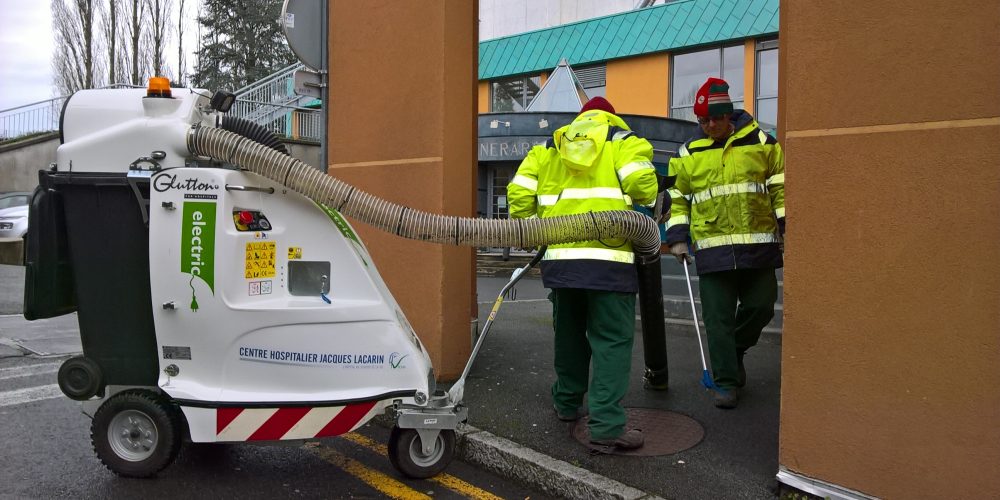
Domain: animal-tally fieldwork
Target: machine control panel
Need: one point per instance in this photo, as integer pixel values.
(250, 220)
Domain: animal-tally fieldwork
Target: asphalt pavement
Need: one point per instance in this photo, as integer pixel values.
(47, 454)
(512, 428)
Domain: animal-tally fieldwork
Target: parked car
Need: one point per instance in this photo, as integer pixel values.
(14, 222)
(14, 199)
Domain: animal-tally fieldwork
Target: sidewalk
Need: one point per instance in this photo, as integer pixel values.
(508, 396)
(512, 429)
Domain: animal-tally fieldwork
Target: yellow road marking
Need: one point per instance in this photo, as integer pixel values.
(367, 442)
(382, 482)
(448, 481)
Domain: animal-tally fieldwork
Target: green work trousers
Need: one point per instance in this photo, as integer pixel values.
(599, 326)
(736, 306)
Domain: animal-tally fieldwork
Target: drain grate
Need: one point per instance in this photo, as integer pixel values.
(665, 432)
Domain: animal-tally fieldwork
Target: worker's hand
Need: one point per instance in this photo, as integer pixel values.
(680, 250)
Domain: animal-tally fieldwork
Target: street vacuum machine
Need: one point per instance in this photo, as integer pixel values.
(223, 295)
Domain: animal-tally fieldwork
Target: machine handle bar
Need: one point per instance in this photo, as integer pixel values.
(231, 187)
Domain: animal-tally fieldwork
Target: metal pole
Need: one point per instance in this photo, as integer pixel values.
(324, 75)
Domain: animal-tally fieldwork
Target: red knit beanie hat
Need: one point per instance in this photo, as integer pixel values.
(598, 103)
(713, 99)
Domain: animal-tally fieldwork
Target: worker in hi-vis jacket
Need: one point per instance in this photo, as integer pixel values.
(596, 163)
(729, 198)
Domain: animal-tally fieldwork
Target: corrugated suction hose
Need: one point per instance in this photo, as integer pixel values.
(244, 153)
(252, 130)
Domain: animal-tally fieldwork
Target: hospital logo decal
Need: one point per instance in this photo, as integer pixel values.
(396, 360)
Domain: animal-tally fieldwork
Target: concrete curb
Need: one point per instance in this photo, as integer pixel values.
(12, 251)
(9, 350)
(20, 143)
(536, 470)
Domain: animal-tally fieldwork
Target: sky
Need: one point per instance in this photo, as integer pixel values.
(26, 46)
(25, 52)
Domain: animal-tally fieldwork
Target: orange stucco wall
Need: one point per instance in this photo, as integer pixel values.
(483, 97)
(414, 144)
(639, 85)
(749, 76)
(891, 127)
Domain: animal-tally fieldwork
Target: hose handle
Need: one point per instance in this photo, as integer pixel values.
(538, 257)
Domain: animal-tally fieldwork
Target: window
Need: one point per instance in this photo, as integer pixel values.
(501, 177)
(593, 79)
(513, 94)
(767, 85)
(14, 200)
(692, 69)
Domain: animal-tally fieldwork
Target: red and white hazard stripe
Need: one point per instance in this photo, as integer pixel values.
(269, 424)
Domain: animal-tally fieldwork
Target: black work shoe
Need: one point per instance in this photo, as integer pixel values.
(629, 440)
(653, 386)
(568, 417)
(726, 398)
(741, 377)
(656, 380)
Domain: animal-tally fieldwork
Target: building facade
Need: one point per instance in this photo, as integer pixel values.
(500, 18)
(648, 61)
(889, 348)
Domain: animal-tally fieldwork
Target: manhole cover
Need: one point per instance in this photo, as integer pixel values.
(665, 432)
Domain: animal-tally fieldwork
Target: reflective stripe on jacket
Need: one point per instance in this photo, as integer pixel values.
(729, 196)
(594, 164)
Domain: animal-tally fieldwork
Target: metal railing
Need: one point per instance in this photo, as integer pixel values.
(38, 117)
(272, 103)
(30, 119)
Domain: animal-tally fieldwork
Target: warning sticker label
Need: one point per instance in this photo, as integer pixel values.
(260, 260)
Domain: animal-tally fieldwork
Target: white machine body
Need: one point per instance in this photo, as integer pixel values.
(215, 304)
(105, 130)
(282, 309)
(271, 321)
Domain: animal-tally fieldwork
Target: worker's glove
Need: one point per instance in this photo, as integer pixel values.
(661, 207)
(680, 250)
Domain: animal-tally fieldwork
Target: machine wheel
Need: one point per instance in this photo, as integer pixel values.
(80, 378)
(408, 458)
(136, 433)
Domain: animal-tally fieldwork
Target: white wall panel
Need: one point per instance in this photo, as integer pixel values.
(500, 18)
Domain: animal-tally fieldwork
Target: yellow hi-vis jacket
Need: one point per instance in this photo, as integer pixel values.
(730, 197)
(594, 164)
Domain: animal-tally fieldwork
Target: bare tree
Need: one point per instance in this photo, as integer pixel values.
(197, 12)
(134, 30)
(159, 17)
(74, 65)
(112, 31)
(180, 43)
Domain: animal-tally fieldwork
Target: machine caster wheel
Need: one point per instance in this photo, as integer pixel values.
(407, 456)
(80, 378)
(136, 433)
